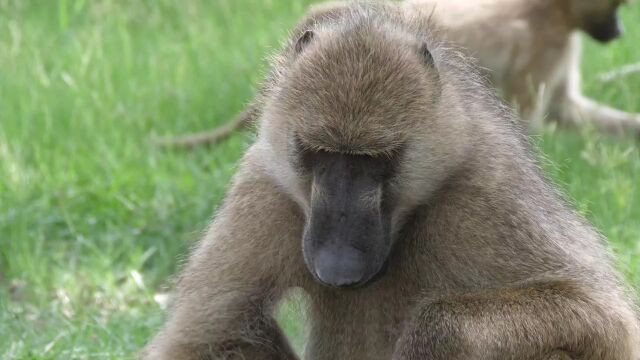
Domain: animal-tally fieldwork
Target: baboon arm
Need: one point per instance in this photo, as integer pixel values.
(543, 321)
(227, 290)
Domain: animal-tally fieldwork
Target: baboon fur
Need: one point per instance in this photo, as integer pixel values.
(487, 260)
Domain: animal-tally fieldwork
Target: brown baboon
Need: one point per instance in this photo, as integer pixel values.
(531, 49)
(390, 184)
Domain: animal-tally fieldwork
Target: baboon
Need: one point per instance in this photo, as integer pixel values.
(394, 188)
(531, 49)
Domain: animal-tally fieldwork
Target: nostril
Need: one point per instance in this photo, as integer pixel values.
(340, 266)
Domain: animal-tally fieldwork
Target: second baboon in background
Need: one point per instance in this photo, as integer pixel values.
(390, 184)
(531, 49)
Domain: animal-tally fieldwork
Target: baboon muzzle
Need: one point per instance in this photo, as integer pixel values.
(346, 240)
(607, 29)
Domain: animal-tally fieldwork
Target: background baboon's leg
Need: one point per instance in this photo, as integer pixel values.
(571, 107)
(242, 120)
(531, 100)
(227, 291)
(518, 323)
(578, 110)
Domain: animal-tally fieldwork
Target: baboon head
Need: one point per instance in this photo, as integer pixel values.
(598, 18)
(356, 102)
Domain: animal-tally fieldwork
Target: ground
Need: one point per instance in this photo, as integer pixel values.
(94, 219)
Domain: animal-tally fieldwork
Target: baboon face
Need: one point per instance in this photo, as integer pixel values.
(347, 239)
(599, 18)
(351, 101)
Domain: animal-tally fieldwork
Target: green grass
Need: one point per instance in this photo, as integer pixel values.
(94, 220)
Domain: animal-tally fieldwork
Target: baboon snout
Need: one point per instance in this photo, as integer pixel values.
(607, 29)
(340, 266)
(346, 241)
(345, 250)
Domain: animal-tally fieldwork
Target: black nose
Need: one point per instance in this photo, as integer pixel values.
(340, 266)
(608, 30)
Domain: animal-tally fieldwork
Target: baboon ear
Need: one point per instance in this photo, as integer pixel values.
(426, 54)
(304, 40)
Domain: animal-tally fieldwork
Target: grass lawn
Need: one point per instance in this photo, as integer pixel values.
(94, 220)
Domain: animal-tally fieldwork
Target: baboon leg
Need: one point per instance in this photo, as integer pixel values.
(517, 323)
(214, 136)
(578, 110)
(531, 99)
(232, 281)
(571, 107)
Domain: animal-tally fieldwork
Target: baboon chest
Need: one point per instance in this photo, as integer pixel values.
(362, 324)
